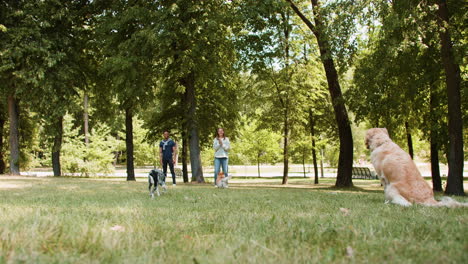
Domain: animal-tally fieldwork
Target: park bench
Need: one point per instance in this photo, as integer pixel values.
(363, 173)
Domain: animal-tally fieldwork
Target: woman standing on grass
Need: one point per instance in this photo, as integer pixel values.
(221, 146)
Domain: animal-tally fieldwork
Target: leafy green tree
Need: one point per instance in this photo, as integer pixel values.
(453, 82)
(301, 150)
(20, 56)
(95, 158)
(327, 52)
(274, 51)
(40, 66)
(25, 58)
(401, 66)
(195, 60)
(259, 145)
(128, 38)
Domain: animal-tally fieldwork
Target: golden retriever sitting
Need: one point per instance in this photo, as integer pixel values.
(402, 181)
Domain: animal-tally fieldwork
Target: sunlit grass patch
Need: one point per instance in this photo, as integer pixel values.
(71, 220)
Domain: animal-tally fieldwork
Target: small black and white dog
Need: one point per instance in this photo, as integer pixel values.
(157, 178)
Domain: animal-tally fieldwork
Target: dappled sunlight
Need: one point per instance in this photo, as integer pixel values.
(14, 185)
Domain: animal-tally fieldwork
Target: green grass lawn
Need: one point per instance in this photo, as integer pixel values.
(73, 220)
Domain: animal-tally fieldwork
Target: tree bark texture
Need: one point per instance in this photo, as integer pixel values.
(2, 161)
(13, 111)
(409, 139)
(185, 140)
(129, 143)
(455, 124)
(345, 160)
(286, 148)
(192, 124)
(258, 165)
(314, 153)
(56, 148)
(86, 120)
(184, 156)
(435, 168)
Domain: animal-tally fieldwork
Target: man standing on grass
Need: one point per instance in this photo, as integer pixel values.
(168, 155)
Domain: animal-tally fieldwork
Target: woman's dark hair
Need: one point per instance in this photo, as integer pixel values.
(216, 134)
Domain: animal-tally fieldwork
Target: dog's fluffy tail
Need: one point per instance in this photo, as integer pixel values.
(448, 202)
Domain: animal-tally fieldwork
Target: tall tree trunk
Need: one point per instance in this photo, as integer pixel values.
(13, 111)
(345, 160)
(435, 169)
(285, 148)
(185, 140)
(86, 119)
(409, 140)
(258, 164)
(303, 163)
(118, 153)
(129, 143)
(321, 163)
(314, 154)
(2, 162)
(56, 148)
(192, 124)
(455, 125)
(184, 156)
(285, 101)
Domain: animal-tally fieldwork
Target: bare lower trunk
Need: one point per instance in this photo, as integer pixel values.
(303, 164)
(86, 120)
(57, 147)
(409, 140)
(117, 153)
(192, 124)
(129, 143)
(13, 111)
(184, 157)
(321, 164)
(2, 162)
(183, 98)
(258, 165)
(455, 125)
(314, 154)
(285, 149)
(435, 169)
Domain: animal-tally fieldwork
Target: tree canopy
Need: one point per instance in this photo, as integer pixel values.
(97, 82)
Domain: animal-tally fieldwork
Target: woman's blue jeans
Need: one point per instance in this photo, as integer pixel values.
(218, 162)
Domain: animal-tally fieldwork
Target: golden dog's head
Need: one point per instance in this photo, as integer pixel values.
(376, 137)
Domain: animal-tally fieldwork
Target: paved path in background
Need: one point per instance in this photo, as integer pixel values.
(267, 171)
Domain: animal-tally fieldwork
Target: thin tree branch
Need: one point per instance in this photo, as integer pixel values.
(302, 16)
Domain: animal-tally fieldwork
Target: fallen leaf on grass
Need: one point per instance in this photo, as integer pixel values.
(345, 211)
(118, 228)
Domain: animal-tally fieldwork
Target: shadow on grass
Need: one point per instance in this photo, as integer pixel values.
(321, 188)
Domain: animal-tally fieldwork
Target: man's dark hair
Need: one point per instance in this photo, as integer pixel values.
(166, 131)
